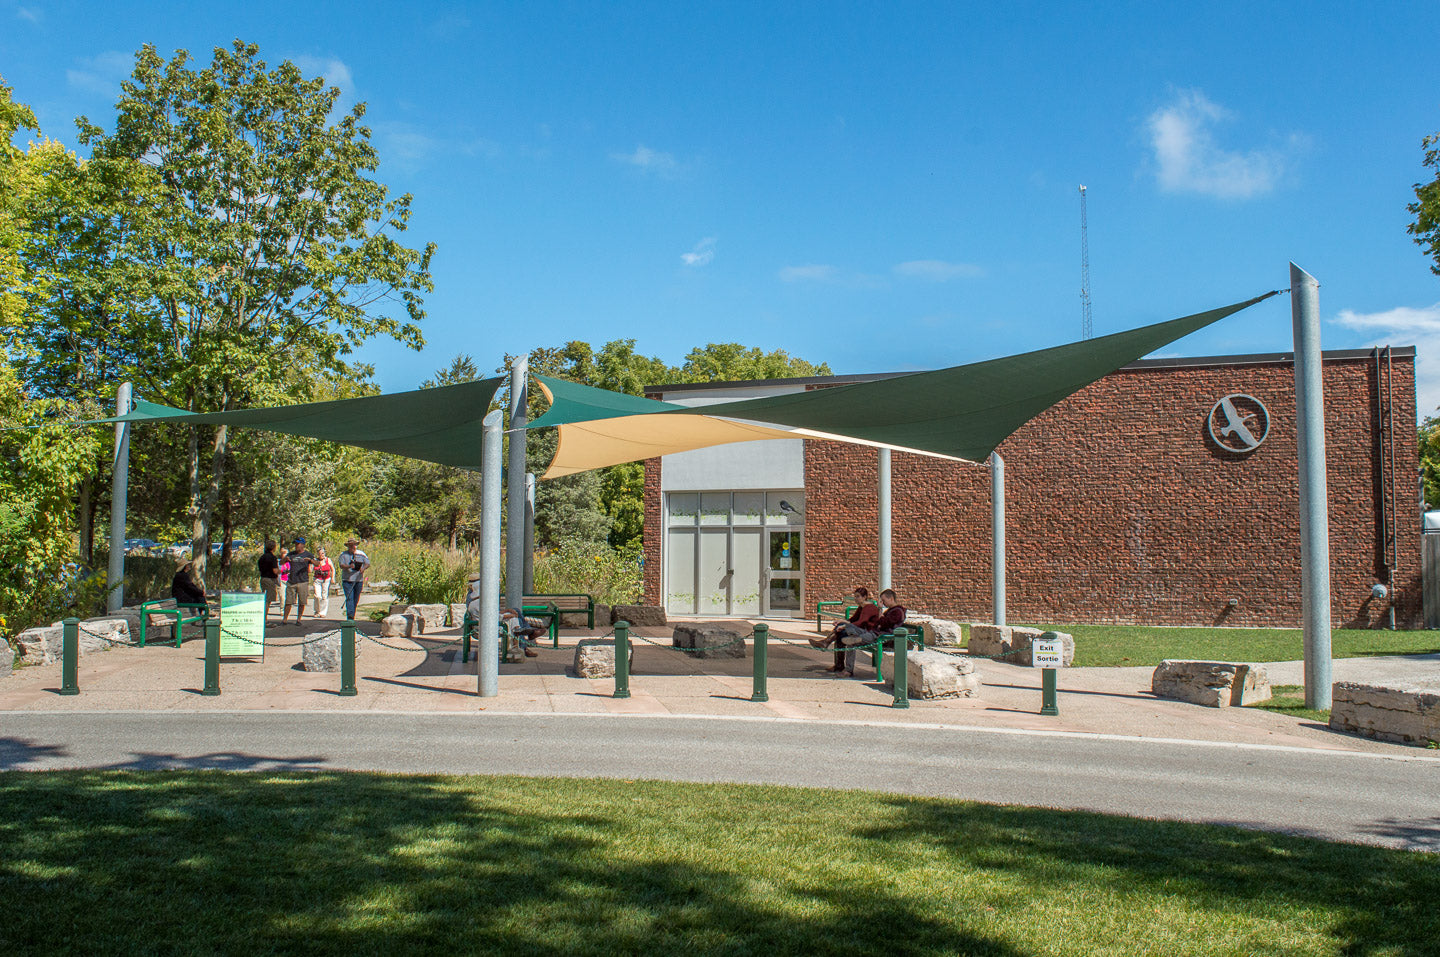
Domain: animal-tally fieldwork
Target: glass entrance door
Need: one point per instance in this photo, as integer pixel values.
(782, 596)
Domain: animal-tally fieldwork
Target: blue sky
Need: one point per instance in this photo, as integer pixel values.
(877, 186)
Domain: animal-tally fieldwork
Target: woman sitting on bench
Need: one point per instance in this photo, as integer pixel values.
(861, 622)
(183, 588)
(892, 617)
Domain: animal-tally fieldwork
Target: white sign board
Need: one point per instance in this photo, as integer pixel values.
(1047, 653)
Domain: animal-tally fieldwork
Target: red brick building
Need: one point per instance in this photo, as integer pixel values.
(1123, 505)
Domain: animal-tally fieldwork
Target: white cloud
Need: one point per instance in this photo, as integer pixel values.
(102, 73)
(1188, 159)
(332, 69)
(810, 273)
(937, 270)
(27, 14)
(1417, 327)
(702, 254)
(652, 161)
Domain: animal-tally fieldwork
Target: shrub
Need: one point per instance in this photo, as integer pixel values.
(610, 575)
(424, 577)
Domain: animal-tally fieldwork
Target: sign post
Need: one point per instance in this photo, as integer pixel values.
(242, 616)
(1048, 652)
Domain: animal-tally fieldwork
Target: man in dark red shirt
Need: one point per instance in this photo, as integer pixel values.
(861, 621)
(892, 616)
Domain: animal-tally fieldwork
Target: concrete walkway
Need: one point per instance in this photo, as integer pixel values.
(426, 676)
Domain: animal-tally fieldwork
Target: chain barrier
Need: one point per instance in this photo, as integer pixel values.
(106, 638)
(690, 651)
(377, 641)
(279, 644)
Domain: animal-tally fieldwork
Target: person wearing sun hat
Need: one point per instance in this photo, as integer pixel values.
(183, 588)
(353, 564)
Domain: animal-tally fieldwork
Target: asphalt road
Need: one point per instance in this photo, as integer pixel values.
(1338, 795)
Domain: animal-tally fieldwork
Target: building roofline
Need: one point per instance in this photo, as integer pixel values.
(1177, 362)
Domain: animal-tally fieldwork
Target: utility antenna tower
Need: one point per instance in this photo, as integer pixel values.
(1087, 327)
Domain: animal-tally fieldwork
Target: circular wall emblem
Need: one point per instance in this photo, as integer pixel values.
(1239, 423)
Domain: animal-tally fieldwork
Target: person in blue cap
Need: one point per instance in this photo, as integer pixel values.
(297, 584)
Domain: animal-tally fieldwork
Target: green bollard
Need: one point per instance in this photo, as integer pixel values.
(762, 636)
(901, 674)
(1048, 704)
(70, 657)
(347, 658)
(622, 659)
(212, 657)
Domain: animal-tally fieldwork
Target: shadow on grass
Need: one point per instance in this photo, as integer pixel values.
(358, 863)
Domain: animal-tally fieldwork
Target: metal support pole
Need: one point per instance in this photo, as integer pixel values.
(212, 657)
(883, 491)
(529, 533)
(762, 638)
(622, 659)
(1049, 705)
(1314, 497)
(119, 496)
(70, 657)
(997, 536)
(347, 658)
(487, 645)
(899, 672)
(515, 489)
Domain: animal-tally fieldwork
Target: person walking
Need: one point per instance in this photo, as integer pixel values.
(270, 576)
(324, 576)
(297, 587)
(353, 565)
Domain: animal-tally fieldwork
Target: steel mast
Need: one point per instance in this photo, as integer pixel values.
(1087, 327)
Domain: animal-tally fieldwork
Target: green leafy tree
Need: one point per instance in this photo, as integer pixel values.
(1426, 209)
(248, 248)
(1430, 460)
(613, 499)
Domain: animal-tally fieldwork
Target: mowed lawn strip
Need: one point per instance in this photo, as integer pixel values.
(209, 862)
(1108, 646)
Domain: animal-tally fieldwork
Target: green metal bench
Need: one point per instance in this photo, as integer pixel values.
(467, 630)
(824, 609)
(168, 608)
(571, 603)
(877, 652)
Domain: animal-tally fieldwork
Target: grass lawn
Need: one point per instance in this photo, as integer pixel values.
(208, 862)
(1120, 645)
(1290, 699)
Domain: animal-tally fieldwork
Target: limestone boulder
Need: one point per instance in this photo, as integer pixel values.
(7, 659)
(602, 615)
(102, 634)
(321, 655)
(457, 614)
(1215, 684)
(989, 641)
(395, 626)
(397, 608)
(40, 646)
(1021, 638)
(936, 674)
(433, 616)
(1408, 713)
(939, 632)
(415, 624)
(649, 615)
(595, 658)
(709, 641)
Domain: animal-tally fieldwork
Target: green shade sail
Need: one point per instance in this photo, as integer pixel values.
(437, 425)
(962, 412)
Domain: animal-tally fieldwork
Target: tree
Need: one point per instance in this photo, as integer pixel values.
(1426, 208)
(247, 249)
(610, 503)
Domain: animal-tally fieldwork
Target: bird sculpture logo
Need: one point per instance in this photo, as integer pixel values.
(1239, 423)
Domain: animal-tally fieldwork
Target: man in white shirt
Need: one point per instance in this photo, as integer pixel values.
(353, 565)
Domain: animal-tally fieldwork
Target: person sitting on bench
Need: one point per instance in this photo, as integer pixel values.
(183, 588)
(861, 621)
(524, 630)
(892, 617)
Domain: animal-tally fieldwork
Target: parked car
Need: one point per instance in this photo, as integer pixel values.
(235, 546)
(141, 546)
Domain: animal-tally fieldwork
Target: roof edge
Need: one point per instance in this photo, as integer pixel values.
(1176, 362)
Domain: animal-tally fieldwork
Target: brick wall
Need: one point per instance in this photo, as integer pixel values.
(653, 534)
(1120, 509)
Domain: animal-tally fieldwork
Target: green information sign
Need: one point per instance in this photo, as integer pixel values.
(242, 624)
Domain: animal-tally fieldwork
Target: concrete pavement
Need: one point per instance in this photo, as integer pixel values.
(427, 676)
